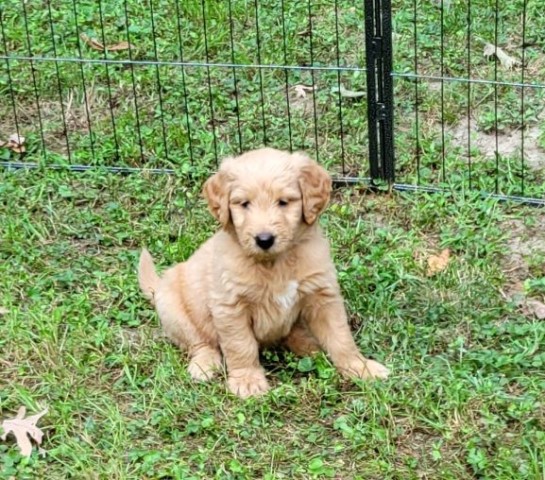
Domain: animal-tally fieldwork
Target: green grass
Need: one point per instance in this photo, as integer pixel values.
(181, 133)
(465, 399)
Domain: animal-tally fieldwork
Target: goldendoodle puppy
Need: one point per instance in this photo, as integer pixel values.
(265, 277)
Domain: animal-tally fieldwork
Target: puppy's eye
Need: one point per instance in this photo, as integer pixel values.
(245, 204)
(282, 203)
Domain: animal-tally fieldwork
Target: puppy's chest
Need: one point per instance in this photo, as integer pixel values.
(275, 309)
(286, 298)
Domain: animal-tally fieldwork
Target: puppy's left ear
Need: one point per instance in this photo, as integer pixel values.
(216, 193)
(315, 184)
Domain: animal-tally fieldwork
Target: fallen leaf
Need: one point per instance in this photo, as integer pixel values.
(119, 46)
(301, 90)
(347, 93)
(16, 139)
(15, 143)
(3, 311)
(22, 428)
(537, 308)
(93, 43)
(437, 263)
(506, 60)
(96, 45)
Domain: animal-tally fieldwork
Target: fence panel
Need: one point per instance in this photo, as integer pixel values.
(178, 85)
(469, 91)
(170, 84)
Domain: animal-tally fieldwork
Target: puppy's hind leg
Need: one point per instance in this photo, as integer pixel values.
(204, 354)
(300, 341)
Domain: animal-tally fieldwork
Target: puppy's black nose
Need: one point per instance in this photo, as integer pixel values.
(264, 240)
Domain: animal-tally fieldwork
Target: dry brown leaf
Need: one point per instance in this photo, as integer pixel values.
(119, 46)
(506, 60)
(437, 263)
(15, 143)
(301, 90)
(16, 139)
(93, 43)
(344, 92)
(537, 308)
(22, 428)
(96, 45)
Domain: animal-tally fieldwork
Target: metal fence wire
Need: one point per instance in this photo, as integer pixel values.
(454, 88)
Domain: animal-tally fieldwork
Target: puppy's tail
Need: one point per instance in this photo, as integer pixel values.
(147, 276)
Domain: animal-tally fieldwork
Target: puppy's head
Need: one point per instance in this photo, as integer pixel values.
(268, 199)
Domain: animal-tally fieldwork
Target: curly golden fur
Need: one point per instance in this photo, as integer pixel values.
(265, 277)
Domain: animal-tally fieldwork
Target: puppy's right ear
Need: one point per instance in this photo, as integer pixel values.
(215, 191)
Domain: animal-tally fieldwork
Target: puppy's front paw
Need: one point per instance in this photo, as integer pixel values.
(375, 370)
(361, 367)
(247, 382)
(201, 372)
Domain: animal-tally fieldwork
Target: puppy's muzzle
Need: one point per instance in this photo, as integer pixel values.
(264, 240)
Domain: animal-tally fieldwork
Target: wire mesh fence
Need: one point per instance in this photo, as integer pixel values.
(168, 84)
(469, 95)
(175, 85)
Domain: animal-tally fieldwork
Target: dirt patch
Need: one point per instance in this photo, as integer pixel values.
(524, 243)
(509, 144)
(138, 337)
(302, 100)
(423, 446)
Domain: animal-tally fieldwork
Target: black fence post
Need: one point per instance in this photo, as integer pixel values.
(380, 92)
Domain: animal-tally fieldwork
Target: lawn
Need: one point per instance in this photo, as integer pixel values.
(465, 399)
(466, 344)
